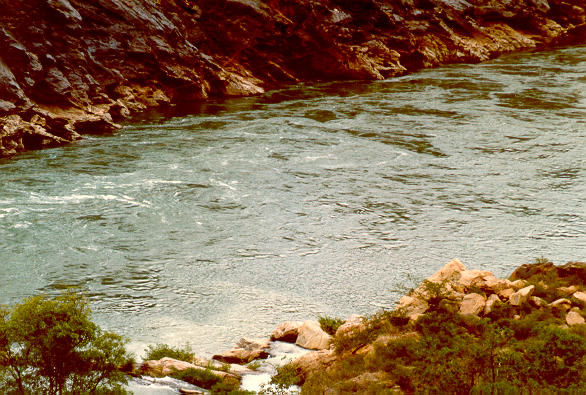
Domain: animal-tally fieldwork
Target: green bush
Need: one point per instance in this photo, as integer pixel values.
(445, 352)
(286, 376)
(159, 351)
(228, 389)
(329, 324)
(49, 345)
(203, 378)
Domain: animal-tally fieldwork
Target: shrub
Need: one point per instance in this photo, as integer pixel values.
(228, 389)
(329, 324)
(50, 346)
(203, 378)
(159, 351)
(286, 376)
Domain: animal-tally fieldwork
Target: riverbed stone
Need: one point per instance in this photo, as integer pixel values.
(312, 336)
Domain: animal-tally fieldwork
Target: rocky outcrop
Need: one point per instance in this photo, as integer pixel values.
(167, 366)
(454, 312)
(477, 292)
(72, 67)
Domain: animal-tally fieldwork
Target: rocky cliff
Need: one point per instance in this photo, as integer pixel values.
(73, 67)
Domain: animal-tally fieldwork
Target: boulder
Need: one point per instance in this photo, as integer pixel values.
(496, 285)
(412, 307)
(581, 296)
(492, 299)
(246, 350)
(312, 362)
(506, 293)
(521, 296)
(518, 284)
(163, 366)
(574, 318)
(449, 272)
(562, 304)
(312, 337)
(564, 292)
(472, 304)
(287, 331)
(477, 278)
(537, 301)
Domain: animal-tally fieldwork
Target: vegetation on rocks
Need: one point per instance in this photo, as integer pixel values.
(49, 345)
(159, 351)
(329, 324)
(447, 338)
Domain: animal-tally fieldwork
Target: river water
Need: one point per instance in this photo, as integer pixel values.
(326, 199)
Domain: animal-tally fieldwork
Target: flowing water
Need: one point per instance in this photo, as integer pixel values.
(325, 199)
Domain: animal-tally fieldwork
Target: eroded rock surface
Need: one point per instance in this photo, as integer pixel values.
(73, 67)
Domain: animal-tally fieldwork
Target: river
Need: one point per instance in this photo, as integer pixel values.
(316, 199)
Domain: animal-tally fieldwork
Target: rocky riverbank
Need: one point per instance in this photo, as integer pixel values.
(69, 67)
(531, 325)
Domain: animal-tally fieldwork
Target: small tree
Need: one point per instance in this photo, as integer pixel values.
(49, 345)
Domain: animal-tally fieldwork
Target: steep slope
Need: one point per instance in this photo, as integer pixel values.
(71, 67)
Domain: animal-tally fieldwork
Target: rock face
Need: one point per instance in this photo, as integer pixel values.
(73, 67)
(478, 292)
